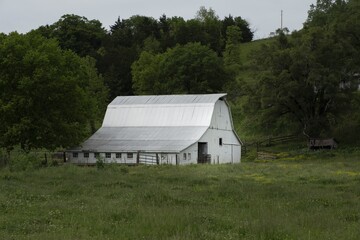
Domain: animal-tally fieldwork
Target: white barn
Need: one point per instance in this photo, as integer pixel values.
(164, 129)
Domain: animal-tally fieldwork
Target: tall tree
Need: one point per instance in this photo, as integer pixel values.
(304, 81)
(212, 28)
(192, 68)
(76, 33)
(231, 54)
(247, 34)
(48, 94)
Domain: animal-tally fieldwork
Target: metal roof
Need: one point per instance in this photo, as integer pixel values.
(164, 123)
(161, 111)
(148, 139)
(167, 99)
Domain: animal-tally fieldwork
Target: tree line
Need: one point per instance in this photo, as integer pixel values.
(56, 80)
(117, 49)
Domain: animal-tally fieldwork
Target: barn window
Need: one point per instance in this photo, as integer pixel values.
(189, 156)
(184, 156)
(86, 155)
(107, 155)
(96, 155)
(220, 142)
(130, 155)
(118, 155)
(75, 155)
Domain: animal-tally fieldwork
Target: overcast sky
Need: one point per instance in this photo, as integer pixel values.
(263, 15)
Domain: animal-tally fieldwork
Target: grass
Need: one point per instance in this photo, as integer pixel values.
(316, 196)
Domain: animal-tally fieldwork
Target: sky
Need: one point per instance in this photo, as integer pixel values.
(264, 16)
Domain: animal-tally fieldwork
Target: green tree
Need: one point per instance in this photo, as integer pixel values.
(192, 68)
(211, 25)
(48, 94)
(246, 34)
(232, 59)
(146, 74)
(76, 33)
(303, 81)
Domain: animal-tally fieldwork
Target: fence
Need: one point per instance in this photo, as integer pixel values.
(45, 157)
(270, 141)
(204, 158)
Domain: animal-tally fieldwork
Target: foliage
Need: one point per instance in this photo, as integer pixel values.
(100, 164)
(313, 198)
(25, 161)
(247, 34)
(82, 36)
(47, 94)
(232, 51)
(115, 51)
(192, 68)
(307, 80)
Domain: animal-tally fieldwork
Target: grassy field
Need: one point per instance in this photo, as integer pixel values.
(303, 196)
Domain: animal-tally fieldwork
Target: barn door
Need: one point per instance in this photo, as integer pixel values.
(203, 156)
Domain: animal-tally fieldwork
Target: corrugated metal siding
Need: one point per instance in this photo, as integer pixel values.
(158, 115)
(161, 110)
(151, 139)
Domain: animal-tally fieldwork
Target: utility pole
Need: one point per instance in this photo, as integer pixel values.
(281, 26)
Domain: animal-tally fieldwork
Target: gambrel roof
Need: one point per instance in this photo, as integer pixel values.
(164, 123)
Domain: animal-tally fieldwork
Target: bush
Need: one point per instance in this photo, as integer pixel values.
(100, 164)
(25, 161)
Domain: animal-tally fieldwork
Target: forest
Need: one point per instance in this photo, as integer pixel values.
(57, 80)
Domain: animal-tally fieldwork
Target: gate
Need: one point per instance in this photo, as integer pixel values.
(148, 158)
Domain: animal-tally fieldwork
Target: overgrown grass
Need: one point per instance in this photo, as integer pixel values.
(305, 198)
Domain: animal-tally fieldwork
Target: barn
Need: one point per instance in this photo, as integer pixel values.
(163, 129)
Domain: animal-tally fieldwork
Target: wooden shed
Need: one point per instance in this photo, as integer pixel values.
(316, 143)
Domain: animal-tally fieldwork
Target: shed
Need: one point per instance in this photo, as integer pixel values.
(329, 143)
(163, 129)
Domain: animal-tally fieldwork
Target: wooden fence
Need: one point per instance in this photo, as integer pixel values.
(270, 141)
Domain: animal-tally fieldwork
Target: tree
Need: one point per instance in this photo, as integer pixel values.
(192, 68)
(76, 33)
(232, 59)
(246, 34)
(146, 74)
(303, 81)
(211, 25)
(48, 94)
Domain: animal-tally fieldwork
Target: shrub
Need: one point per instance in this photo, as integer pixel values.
(100, 164)
(25, 161)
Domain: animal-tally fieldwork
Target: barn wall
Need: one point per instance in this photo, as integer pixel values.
(168, 158)
(228, 152)
(189, 155)
(221, 118)
(92, 160)
(221, 127)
